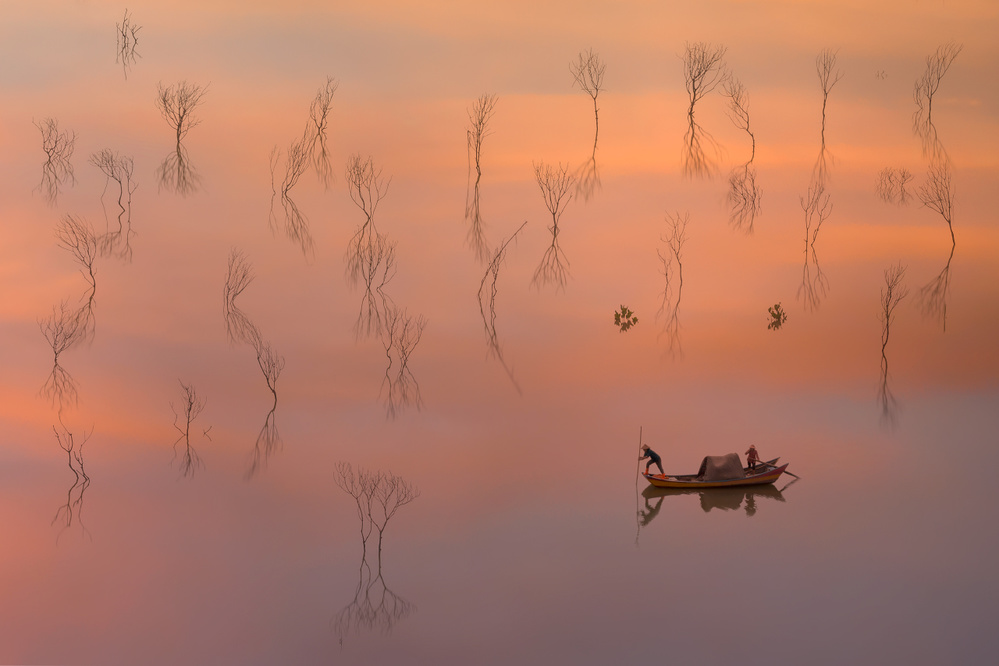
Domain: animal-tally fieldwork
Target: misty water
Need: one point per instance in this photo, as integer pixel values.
(386, 307)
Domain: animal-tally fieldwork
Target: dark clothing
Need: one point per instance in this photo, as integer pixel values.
(654, 459)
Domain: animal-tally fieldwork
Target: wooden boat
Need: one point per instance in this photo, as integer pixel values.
(766, 472)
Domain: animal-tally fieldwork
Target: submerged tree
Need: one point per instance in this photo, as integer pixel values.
(829, 75)
(73, 508)
(937, 194)
(62, 330)
(703, 71)
(177, 104)
(378, 496)
(190, 408)
(588, 73)
(671, 258)
(817, 207)
(478, 117)
(744, 195)
(402, 332)
(117, 168)
(367, 187)
(127, 39)
(892, 294)
(892, 185)
(556, 184)
(487, 306)
(57, 169)
(925, 89)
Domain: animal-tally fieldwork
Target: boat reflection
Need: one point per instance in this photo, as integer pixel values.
(725, 499)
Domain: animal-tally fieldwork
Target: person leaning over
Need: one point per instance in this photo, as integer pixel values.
(653, 457)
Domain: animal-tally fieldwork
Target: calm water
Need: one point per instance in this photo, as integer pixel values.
(518, 418)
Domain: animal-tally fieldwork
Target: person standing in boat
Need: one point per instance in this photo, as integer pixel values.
(752, 457)
(653, 457)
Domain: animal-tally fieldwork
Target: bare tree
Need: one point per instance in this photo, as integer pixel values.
(319, 115)
(271, 364)
(744, 195)
(127, 39)
(238, 326)
(402, 333)
(117, 168)
(892, 184)
(925, 89)
(892, 294)
(177, 104)
(62, 330)
(556, 184)
(829, 75)
(937, 194)
(191, 407)
(489, 320)
(817, 207)
(73, 508)
(703, 71)
(588, 73)
(669, 256)
(376, 261)
(377, 497)
(478, 117)
(57, 169)
(367, 188)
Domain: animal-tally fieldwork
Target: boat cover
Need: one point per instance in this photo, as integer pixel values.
(720, 468)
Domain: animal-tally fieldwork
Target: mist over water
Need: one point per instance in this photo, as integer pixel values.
(309, 349)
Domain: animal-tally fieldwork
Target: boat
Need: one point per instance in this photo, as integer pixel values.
(721, 472)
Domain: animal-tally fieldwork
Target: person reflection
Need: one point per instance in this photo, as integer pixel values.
(648, 514)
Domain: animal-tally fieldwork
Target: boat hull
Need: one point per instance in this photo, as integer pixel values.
(768, 475)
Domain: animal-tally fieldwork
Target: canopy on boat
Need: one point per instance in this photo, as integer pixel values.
(719, 468)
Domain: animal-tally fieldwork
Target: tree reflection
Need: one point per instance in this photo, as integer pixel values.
(73, 508)
(925, 89)
(190, 408)
(892, 185)
(177, 104)
(744, 195)
(478, 116)
(829, 75)
(57, 170)
(117, 168)
(401, 334)
(588, 73)
(127, 39)
(937, 194)
(377, 498)
(240, 329)
(892, 294)
(488, 310)
(703, 71)
(817, 208)
(555, 183)
(671, 258)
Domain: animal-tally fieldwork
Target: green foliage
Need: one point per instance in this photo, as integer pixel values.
(778, 317)
(625, 319)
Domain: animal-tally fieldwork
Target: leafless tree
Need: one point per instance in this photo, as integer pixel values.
(937, 194)
(744, 195)
(671, 258)
(319, 116)
(367, 188)
(377, 497)
(127, 39)
(191, 407)
(703, 71)
(177, 104)
(489, 320)
(64, 329)
(73, 508)
(478, 117)
(892, 294)
(57, 169)
(376, 260)
(271, 364)
(402, 332)
(117, 168)
(817, 207)
(829, 75)
(588, 73)
(925, 88)
(892, 184)
(238, 326)
(556, 184)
